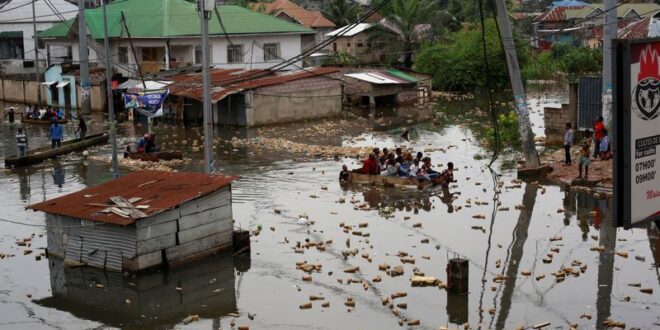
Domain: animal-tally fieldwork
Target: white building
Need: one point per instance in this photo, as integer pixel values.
(165, 35)
(17, 31)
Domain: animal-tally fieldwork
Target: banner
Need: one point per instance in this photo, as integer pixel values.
(148, 103)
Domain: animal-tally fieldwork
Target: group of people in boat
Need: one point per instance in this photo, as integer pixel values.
(146, 144)
(399, 163)
(46, 113)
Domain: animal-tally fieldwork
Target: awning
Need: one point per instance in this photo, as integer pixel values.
(11, 34)
(137, 84)
(48, 83)
(63, 83)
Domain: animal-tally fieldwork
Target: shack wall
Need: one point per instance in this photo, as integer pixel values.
(84, 242)
(311, 98)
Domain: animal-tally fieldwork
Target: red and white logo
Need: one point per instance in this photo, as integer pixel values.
(646, 95)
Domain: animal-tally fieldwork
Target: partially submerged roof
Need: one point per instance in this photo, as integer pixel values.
(350, 30)
(229, 81)
(173, 18)
(161, 191)
(308, 18)
(389, 77)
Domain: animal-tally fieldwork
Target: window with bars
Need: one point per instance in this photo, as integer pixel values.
(198, 54)
(271, 52)
(235, 53)
(123, 55)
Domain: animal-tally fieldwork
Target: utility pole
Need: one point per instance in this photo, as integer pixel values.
(520, 100)
(609, 33)
(205, 10)
(108, 86)
(83, 58)
(36, 53)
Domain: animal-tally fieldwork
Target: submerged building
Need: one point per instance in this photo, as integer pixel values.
(141, 220)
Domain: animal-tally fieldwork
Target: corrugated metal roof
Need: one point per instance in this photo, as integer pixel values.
(229, 81)
(175, 18)
(344, 31)
(160, 190)
(308, 18)
(382, 78)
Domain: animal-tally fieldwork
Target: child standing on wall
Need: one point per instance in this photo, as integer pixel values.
(584, 161)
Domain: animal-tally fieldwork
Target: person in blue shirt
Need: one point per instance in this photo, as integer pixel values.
(60, 114)
(55, 134)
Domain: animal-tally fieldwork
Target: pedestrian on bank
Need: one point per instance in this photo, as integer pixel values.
(55, 134)
(568, 143)
(21, 142)
(605, 152)
(584, 161)
(599, 130)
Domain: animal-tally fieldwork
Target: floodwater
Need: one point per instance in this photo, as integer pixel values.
(265, 289)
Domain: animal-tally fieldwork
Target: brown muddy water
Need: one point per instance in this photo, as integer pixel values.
(265, 290)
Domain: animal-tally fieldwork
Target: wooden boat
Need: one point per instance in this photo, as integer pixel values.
(394, 181)
(40, 154)
(156, 156)
(42, 122)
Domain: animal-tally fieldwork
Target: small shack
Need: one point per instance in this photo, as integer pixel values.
(259, 97)
(141, 220)
(385, 88)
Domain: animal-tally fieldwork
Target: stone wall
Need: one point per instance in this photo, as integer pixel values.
(555, 123)
(25, 92)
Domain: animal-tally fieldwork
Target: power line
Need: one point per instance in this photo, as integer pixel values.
(19, 6)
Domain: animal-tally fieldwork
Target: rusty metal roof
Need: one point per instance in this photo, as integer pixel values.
(229, 81)
(160, 190)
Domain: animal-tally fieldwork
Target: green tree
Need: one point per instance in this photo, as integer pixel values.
(406, 25)
(459, 65)
(341, 12)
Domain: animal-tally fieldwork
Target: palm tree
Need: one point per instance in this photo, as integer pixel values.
(407, 24)
(342, 12)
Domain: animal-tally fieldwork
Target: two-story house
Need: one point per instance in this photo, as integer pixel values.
(17, 53)
(159, 35)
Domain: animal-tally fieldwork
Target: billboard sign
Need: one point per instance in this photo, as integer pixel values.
(148, 103)
(637, 131)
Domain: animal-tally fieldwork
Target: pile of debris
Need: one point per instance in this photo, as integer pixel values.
(136, 164)
(300, 148)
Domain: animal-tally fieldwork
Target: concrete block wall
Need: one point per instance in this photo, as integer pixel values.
(555, 122)
(316, 97)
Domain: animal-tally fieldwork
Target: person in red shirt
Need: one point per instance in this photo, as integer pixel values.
(599, 132)
(370, 166)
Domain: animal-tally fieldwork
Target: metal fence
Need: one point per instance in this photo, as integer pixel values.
(590, 102)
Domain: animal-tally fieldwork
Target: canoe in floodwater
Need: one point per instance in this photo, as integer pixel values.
(394, 181)
(156, 156)
(40, 154)
(41, 122)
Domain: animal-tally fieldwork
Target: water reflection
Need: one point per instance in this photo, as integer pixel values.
(58, 174)
(149, 300)
(607, 238)
(520, 234)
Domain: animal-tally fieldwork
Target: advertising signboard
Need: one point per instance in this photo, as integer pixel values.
(637, 131)
(148, 103)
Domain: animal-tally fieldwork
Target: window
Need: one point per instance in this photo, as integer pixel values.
(360, 45)
(334, 46)
(123, 55)
(235, 53)
(271, 52)
(198, 55)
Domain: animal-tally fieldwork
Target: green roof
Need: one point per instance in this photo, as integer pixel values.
(173, 18)
(402, 75)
